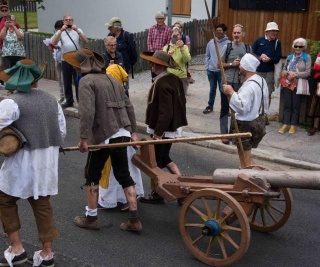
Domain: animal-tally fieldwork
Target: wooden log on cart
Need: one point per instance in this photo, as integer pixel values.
(283, 179)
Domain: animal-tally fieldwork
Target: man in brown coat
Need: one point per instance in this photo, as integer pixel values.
(106, 116)
(166, 112)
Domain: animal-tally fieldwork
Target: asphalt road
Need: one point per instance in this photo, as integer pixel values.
(160, 243)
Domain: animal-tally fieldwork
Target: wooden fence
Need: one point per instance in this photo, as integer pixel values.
(18, 5)
(37, 51)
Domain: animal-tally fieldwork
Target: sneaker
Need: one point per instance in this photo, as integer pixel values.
(38, 261)
(11, 259)
(283, 129)
(61, 100)
(133, 224)
(207, 110)
(292, 129)
(89, 222)
(152, 198)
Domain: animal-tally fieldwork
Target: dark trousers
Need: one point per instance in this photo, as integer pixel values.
(291, 111)
(119, 162)
(68, 72)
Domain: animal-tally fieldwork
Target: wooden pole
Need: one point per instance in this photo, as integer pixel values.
(162, 141)
(243, 164)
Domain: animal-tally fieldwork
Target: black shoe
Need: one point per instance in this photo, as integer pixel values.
(44, 263)
(152, 198)
(208, 109)
(67, 105)
(17, 260)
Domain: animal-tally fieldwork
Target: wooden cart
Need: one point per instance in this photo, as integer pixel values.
(218, 211)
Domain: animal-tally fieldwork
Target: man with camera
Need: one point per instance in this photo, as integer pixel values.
(70, 36)
(231, 54)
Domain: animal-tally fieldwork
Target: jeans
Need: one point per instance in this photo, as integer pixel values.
(214, 79)
(68, 72)
(291, 110)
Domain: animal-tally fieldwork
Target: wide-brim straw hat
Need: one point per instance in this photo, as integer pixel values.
(22, 75)
(85, 59)
(160, 57)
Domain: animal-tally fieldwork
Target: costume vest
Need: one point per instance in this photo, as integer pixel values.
(38, 120)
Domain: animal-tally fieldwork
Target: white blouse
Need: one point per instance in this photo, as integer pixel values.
(29, 173)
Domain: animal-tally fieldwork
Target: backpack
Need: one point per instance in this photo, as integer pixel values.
(132, 48)
(304, 57)
(229, 48)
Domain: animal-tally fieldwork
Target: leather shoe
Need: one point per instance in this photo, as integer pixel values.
(225, 141)
(152, 198)
(66, 105)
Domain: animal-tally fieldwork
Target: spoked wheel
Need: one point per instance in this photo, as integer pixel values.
(207, 230)
(274, 213)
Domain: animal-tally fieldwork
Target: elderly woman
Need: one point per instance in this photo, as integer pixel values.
(297, 66)
(12, 49)
(180, 53)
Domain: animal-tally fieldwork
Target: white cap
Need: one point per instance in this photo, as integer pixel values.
(249, 62)
(272, 26)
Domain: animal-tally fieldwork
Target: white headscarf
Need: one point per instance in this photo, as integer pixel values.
(249, 62)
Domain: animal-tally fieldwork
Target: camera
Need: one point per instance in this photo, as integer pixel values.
(8, 17)
(69, 26)
(174, 39)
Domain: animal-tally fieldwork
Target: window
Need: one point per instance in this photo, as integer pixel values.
(181, 7)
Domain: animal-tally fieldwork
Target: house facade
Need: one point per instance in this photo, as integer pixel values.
(136, 15)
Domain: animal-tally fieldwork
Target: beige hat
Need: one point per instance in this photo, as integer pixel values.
(160, 57)
(114, 22)
(249, 62)
(272, 26)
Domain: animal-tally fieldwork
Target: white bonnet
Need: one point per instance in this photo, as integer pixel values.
(249, 62)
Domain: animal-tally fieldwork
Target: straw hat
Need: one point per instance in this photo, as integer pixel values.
(85, 59)
(160, 57)
(22, 75)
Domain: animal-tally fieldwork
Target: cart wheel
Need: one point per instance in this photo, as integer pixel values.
(274, 213)
(205, 228)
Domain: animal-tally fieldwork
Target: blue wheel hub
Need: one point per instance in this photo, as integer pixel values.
(211, 228)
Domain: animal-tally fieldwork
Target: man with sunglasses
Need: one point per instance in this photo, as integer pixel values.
(268, 50)
(70, 36)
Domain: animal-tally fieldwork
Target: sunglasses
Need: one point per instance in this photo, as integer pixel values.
(4, 10)
(298, 46)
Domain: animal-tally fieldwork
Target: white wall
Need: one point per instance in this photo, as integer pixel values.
(91, 16)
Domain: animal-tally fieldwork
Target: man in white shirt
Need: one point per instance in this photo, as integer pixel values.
(70, 36)
(249, 104)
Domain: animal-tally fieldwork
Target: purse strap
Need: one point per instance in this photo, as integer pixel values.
(71, 39)
(262, 102)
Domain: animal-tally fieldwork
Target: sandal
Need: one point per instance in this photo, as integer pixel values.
(312, 131)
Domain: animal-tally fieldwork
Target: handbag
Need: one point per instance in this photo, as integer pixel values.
(303, 87)
(286, 83)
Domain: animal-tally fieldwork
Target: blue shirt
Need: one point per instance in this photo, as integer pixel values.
(272, 48)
